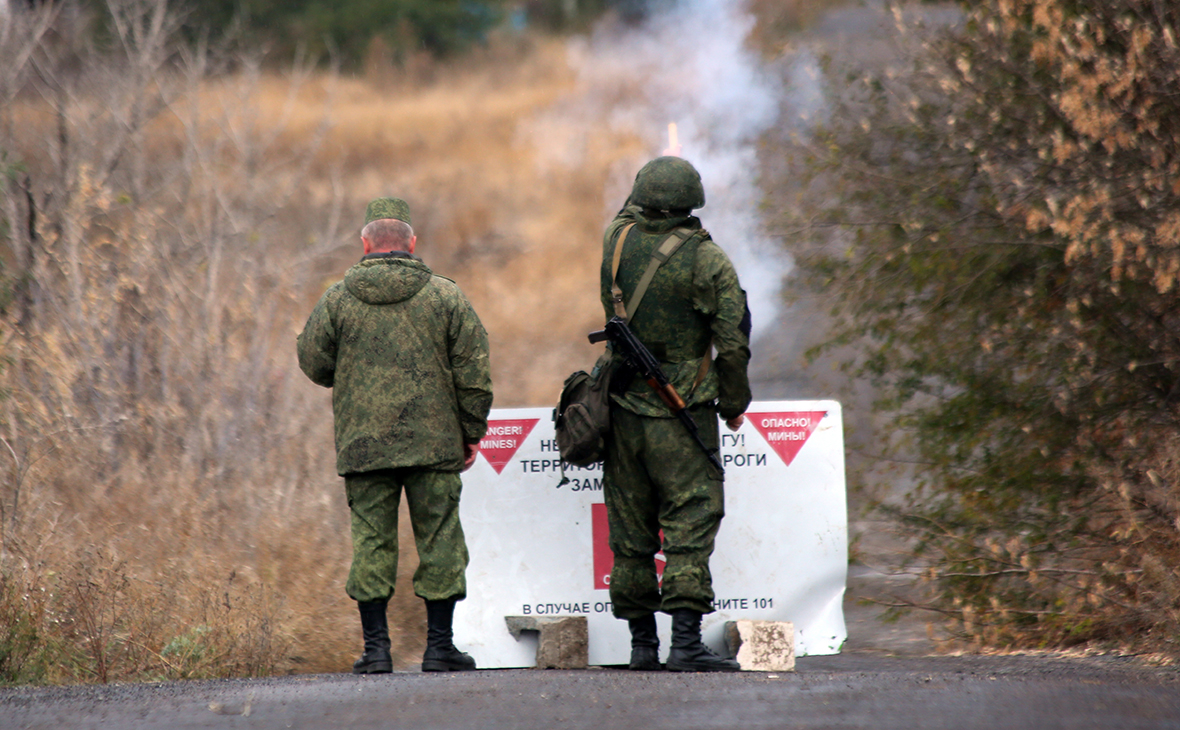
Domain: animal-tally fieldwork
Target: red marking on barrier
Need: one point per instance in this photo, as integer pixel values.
(604, 559)
(502, 440)
(786, 432)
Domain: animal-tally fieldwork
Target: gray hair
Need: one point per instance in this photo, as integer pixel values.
(388, 234)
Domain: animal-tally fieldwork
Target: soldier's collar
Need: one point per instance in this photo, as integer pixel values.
(390, 255)
(663, 225)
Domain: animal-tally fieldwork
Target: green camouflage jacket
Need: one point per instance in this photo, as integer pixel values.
(407, 360)
(695, 295)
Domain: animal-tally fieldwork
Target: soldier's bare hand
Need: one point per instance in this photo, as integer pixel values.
(736, 422)
(469, 452)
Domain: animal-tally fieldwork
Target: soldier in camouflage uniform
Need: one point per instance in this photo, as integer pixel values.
(656, 476)
(407, 360)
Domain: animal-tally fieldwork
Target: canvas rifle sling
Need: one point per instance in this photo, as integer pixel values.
(616, 294)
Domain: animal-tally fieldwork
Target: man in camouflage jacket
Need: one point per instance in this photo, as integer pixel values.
(407, 360)
(656, 477)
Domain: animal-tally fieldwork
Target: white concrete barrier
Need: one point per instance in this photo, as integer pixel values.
(540, 549)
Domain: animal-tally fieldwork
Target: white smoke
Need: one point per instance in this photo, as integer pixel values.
(691, 66)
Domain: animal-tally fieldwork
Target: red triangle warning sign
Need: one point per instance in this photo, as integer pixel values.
(502, 440)
(786, 432)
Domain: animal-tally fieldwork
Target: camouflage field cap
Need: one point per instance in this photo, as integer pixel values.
(668, 183)
(395, 208)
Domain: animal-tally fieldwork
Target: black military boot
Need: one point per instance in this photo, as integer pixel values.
(688, 653)
(376, 659)
(645, 644)
(441, 654)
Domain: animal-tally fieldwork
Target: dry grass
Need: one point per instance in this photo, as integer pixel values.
(171, 490)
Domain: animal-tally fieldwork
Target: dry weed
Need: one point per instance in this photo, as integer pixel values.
(169, 503)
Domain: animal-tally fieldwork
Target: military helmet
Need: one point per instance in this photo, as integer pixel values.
(668, 183)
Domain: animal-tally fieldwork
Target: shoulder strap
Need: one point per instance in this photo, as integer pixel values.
(616, 294)
(663, 252)
(703, 370)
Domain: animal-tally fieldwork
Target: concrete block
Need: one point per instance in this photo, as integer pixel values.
(762, 646)
(563, 643)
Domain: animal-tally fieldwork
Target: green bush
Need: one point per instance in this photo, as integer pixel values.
(441, 27)
(1005, 252)
(21, 642)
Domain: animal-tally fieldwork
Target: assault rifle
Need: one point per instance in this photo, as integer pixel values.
(646, 365)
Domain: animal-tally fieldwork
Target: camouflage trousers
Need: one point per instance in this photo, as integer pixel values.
(657, 478)
(433, 499)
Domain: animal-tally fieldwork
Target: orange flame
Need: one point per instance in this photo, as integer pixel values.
(673, 141)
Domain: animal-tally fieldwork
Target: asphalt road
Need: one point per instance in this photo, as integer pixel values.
(845, 691)
(886, 678)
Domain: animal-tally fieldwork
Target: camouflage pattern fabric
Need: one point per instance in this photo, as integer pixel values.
(657, 478)
(694, 296)
(407, 360)
(387, 208)
(655, 475)
(433, 499)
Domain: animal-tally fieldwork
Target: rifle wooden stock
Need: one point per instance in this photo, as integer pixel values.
(669, 395)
